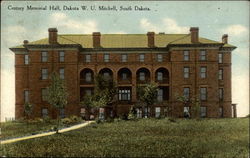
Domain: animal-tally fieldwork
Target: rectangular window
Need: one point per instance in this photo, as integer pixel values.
(142, 76)
(203, 111)
(44, 94)
(62, 113)
(186, 91)
(26, 96)
(124, 94)
(159, 76)
(106, 75)
(124, 76)
(124, 57)
(44, 56)
(159, 58)
(88, 77)
(141, 57)
(221, 111)
(221, 94)
(220, 74)
(160, 95)
(203, 72)
(106, 57)
(45, 112)
(203, 55)
(26, 59)
(186, 72)
(186, 55)
(157, 112)
(220, 57)
(138, 112)
(203, 93)
(61, 56)
(44, 74)
(146, 112)
(87, 58)
(101, 114)
(186, 112)
(61, 73)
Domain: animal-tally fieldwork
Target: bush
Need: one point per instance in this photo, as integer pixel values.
(47, 119)
(71, 120)
(66, 121)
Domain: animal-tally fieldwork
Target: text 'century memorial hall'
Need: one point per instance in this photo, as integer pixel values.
(182, 65)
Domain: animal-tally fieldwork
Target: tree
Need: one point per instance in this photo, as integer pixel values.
(148, 94)
(27, 110)
(57, 95)
(104, 92)
(194, 102)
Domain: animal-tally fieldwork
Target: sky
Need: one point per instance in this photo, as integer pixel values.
(213, 19)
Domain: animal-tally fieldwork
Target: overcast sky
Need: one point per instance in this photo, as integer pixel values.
(213, 19)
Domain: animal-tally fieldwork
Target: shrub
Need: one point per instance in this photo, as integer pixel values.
(47, 119)
(66, 121)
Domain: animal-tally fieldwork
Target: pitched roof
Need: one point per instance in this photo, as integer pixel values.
(124, 40)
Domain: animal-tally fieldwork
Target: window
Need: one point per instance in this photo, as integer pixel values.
(124, 94)
(220, 74)
(221, 111)
(26, 96)
(221, 94)
(142, 76)
(186, 112)
(88, 92)
(88, 77)
(26, 59)
(159, 58)
(203, 55)
(44, 74)
(106, 75)
(186, 72)
(138, 112)
(124, 57)
(157, 112)
(61, 56)
(45, 112)
(62, 113)
(160, 95)
(186, 91)
(203, 72)
(203, 111)
(203, 93)
(101, 113)
(106, 57)
(124, 76)
(159, 76)
(87, 58)
(44, 94)
(146, 112)
(141, 57)
(44, 56)
(186, 55)
(61, 73)
(220, 57)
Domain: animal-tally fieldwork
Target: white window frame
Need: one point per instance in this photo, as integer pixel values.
(44, 56)
(124, 94)
(160, 76)
(88, 76)
(186, 111)
(124, 57)
(159, 58)
(203, 72)
(141, 57)
(142, 76)
(186, 71)
(186, 92)
(157, 112)
(160, 93)
(203, 111)
(220, 58)
(106, 57)
(44, 74)
(61, 56)
(139, 112)
(186, 55)
(220, 77)
(203, 55)
(26, 59)
(62, 73)
(88, 58)
(203, 93)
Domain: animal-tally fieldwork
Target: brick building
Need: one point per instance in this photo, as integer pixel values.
(182, 65)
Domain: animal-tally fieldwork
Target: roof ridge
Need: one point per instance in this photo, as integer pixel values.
(179, 39)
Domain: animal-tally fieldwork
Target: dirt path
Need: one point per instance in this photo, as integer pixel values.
(47, 133)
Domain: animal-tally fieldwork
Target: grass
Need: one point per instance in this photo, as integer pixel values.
(143, 138)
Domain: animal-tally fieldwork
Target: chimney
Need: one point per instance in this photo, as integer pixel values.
(151, 39)
(25, 42)
(96, 39)
(194, 31)
(224, 38)
(52, 35)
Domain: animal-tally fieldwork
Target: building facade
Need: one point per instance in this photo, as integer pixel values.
(182, 65)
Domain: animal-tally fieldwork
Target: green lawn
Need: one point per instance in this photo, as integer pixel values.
(144, 138)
